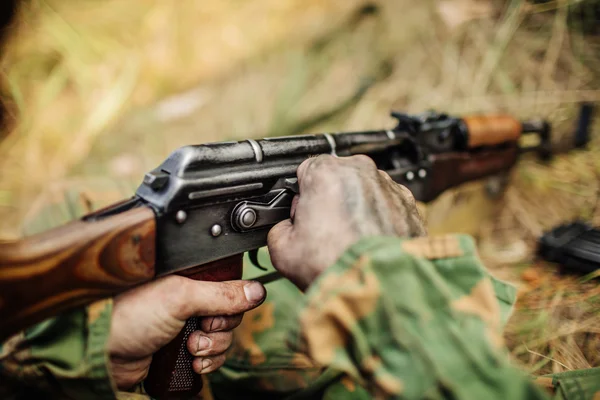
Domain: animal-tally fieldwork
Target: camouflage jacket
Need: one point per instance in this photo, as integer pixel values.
(392, 318)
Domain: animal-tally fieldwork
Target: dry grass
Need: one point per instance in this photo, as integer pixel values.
(556, 327)
(89, 82)
(72, 68)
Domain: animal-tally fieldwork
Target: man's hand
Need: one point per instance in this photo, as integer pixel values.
(150, 316)
(341, 201)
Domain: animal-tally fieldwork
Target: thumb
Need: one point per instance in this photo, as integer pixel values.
(202, 298)
(279, 241)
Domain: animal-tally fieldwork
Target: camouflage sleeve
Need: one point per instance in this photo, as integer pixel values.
(63, 357)
(411, 319)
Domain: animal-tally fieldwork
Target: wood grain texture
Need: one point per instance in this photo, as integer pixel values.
(73, 265)
(452, 169)
(171, 375)
(489, 130)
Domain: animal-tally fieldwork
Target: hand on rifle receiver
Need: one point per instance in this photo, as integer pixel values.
(148, 317)
(341, 200)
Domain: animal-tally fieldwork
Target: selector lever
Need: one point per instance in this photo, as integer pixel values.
(249, 215)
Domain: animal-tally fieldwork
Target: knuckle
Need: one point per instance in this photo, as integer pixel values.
(234, 295)
(177, 290)
(407, 194)
(221, 342)
(312, 163)
(321, 163)
(231, 293)
(317, 171)
(385, 175)
(323, 159)
(364, 160)
(233, 322)
(304, 165)
(220, 323)
(173, 282)
(212, 324)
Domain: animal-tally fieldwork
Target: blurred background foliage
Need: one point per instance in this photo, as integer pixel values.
(98, 92)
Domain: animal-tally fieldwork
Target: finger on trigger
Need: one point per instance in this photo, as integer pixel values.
(204, 365)
(220, 323)
(208, 344)
(279, 240)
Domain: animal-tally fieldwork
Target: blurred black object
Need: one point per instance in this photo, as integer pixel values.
(582, 132)
(8, 11)
(583, 15)
(575, 246)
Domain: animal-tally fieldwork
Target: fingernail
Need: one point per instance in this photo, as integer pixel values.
(207, 362)
(217, 323)
(254, 292)
(204, 343)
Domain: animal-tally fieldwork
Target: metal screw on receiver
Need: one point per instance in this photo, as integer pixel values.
(216, 230)
(181, 216)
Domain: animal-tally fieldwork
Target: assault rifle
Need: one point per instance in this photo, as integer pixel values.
(205, 205)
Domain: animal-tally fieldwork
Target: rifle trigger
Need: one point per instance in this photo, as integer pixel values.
(253, 255)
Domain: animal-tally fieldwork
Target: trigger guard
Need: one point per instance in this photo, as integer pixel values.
(253, 255)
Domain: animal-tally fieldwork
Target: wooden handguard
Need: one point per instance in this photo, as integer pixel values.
(489, 130)
(171, 375)
(73, 265)
(452, 169)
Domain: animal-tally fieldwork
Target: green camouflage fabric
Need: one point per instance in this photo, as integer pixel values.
(63, 355)
(392, 318)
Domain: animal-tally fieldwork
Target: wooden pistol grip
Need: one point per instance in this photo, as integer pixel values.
(489, 130)
(74, 265)
(171, 375)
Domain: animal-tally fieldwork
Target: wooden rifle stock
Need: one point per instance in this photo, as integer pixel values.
(74, 265)
(452, 169)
